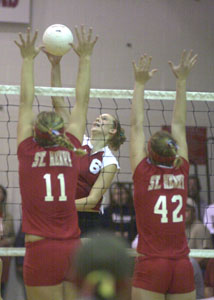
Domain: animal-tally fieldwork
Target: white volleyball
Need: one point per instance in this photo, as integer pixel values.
(57, 39)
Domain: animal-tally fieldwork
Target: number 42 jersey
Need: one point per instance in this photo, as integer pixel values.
(160, 195)
(48, 179)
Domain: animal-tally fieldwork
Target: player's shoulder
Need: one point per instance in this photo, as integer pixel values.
(107, 152)
(142, 165)
(27, 146)
(109, 158)
(185, 164)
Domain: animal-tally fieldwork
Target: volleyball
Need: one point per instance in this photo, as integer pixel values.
(57, 39)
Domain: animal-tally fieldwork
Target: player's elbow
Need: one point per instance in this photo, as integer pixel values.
(88, 204)
(92, 202)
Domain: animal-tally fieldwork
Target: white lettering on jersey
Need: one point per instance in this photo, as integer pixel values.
(173, 182)
(170, 181)
(39, 159)
(154, 183)
(95, 166)
(49, 197)
(60, 158)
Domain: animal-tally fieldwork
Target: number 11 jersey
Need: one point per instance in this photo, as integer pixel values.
(48, 180)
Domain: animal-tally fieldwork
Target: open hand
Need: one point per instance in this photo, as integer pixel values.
(142, 70)
(187, 62)
(27, 47)
(85, 42)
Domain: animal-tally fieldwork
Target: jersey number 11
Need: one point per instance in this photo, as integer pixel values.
(49, 196)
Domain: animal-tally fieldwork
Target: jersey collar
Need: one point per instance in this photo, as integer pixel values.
(161, 166)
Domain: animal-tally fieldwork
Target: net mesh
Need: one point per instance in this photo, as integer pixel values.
(158, 113)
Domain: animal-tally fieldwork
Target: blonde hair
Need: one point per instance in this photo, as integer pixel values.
(162, 148)
(49, 131)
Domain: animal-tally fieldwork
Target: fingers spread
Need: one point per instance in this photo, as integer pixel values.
(35, 37)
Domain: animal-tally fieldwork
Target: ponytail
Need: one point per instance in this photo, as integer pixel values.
(118, 138)
(177, 162)
(63, 141)
(49, 131)
(163, 149)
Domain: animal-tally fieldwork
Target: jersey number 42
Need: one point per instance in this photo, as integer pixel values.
(161, 208)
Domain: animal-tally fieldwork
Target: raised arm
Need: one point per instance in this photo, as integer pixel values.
(137, 142)
(28, 53)
(178, 125)
(84, 50)
(58, 102)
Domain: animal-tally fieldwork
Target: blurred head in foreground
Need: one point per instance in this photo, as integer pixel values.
(102, 268)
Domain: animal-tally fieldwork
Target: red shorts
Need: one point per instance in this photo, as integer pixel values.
(165, 276)
(46, 261)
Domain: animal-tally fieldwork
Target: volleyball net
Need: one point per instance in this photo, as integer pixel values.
(158, 114)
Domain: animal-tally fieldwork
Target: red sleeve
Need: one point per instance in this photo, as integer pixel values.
(26, 146)
(142, 164)
(185, 165)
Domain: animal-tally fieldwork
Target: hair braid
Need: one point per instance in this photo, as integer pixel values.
(63, 141)
(162, 149)
(177, 162)
(49, 131)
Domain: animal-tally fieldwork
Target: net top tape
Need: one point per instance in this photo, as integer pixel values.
(209, 253)
(107, 93)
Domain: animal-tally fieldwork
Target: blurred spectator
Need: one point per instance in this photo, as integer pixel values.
(194, 188)
(119, 216)
(20, 242)
(102, 269)
(198, 236)
(0, 275)
(209, 220)
(198, 278)
(7, 238)
(209, 279)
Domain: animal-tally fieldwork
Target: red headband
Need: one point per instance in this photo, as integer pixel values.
(46, 135)
(158, 158)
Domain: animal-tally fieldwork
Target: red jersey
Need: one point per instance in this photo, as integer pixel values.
(160, 195)
(90, 167)
(48, 179)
